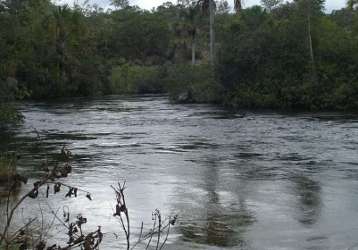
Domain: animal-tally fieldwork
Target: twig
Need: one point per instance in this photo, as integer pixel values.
(121, 208)
(166, 238)
(152, 232)
(55, 173)
(139, 238)
(13, 236)
(157, 212)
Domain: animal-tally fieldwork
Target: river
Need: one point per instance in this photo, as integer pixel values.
(260, 181)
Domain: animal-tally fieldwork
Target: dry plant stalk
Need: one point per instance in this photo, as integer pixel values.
(51, 177)
(160, 228)
(21, 237)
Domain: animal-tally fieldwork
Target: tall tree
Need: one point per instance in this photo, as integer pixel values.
(120, 4)
(237, 6)
(187, 25)
(223, 7)
(212, 32)
(270, 4)
(192, 16)
(209, 6)
(352, 4)
(61, 37)
(311, 8)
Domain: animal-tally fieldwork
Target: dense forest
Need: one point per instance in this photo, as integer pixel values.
(292, 56)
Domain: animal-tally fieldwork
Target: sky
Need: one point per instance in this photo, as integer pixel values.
(149, 4)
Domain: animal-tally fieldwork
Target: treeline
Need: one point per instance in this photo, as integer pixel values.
(293, 56)
(279, 55)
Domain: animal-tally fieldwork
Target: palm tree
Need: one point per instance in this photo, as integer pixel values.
(269, 5)
(120, 4)
(210, 6)
(60, 14)
(191, 22)
(309, 9)
(237, 6)
(351, 4)
(192, 17)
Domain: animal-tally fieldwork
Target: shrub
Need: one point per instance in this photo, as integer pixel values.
(192, 83)
(345, 96)
(9, 91)
(9, 114)
(136, 79)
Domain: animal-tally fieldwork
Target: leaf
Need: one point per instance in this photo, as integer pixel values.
(88, 195)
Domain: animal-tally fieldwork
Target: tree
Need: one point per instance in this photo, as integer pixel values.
(191, 17)
(223, 7)
(237, 6)
(209, 6)
(352, 4)
(139, 36)
(310, 9)
(270, 4)
(212, 32)
(120, 4)
(60, 15)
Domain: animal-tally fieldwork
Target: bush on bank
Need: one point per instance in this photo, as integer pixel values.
(136, 79)
(9, 91)
(192, 83)
(7, 171)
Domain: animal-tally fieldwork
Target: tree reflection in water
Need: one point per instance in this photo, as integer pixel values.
(214, 220)
(309, 205)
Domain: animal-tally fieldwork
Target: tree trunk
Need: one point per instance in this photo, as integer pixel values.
(310, 45)
(193, 48)
(193, 52)
(238, 6)
(212, 32)
(310, 39)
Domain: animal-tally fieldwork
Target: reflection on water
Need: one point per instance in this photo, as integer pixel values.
(219, 222)
(309, 199)
(253, 181)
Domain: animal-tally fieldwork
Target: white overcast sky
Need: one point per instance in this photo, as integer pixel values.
(149, 4)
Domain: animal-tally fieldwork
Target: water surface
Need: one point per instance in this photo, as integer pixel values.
(259, 181)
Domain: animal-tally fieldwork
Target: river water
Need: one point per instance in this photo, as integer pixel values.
(258, 181)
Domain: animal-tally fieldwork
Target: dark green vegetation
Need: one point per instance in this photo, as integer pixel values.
(281, 56)
(7, 167)
(8, 173)
(9, 91)
(294, 57)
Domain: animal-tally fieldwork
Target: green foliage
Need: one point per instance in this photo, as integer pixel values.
(287, 56)
(352, 4)
(135, 79)
(7, 166)
(270, 4)
(120, 3)
(9, 91)
(55, 54)
(192, 83)
(265, 60)
(9, 114)
(139, 36)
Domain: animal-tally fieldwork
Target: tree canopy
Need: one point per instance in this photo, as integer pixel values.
(289, 55)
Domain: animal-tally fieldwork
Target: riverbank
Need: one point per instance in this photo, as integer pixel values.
(206, 84)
